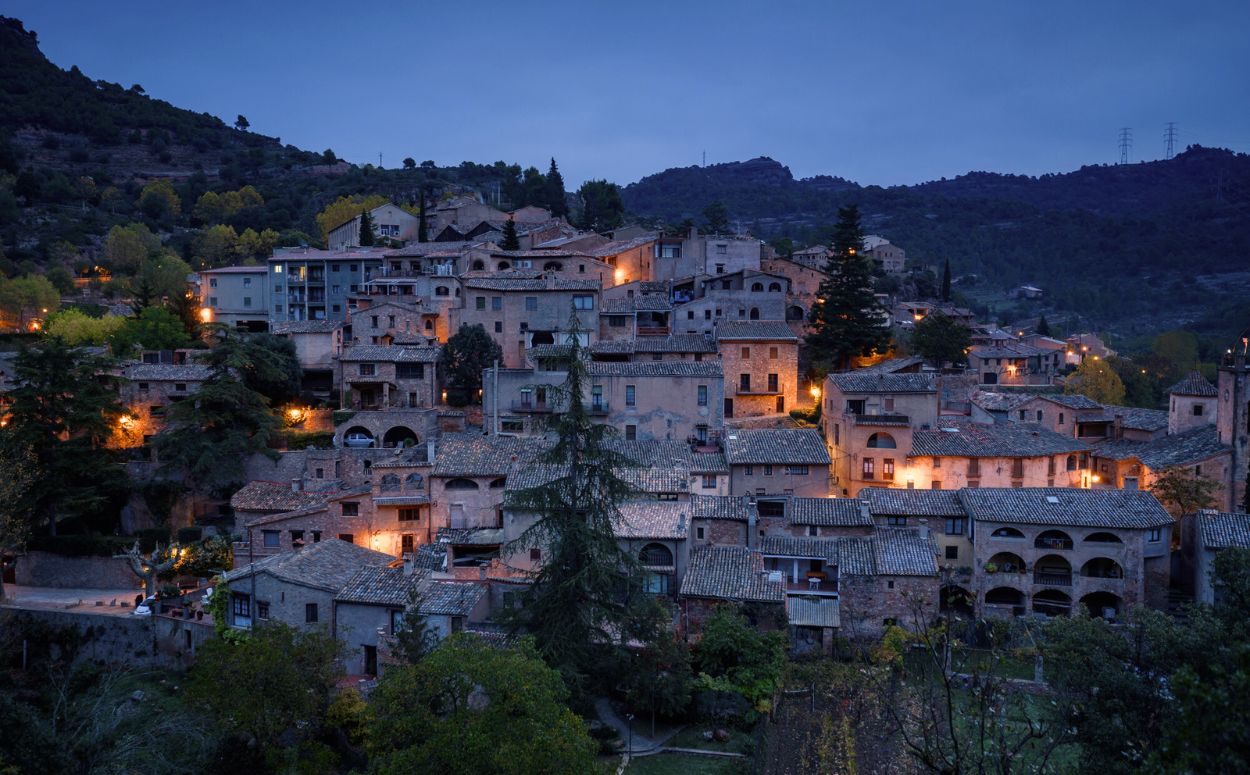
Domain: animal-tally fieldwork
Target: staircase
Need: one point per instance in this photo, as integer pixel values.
(1176, 603)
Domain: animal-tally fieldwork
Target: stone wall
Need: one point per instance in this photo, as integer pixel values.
(44, 569)
(112, 639)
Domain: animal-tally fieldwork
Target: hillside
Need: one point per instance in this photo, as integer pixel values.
(1135, 248)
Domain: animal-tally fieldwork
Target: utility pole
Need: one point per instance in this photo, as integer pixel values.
(704, 164)
(379, 160)
(1126, 144)
(1169, 136)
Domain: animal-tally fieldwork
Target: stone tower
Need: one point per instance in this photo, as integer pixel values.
(1233, 415)
(1191, 404)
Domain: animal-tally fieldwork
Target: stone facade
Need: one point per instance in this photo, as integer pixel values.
(761, 375)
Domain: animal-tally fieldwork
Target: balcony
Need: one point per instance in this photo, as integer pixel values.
(652, 330)
(598, 407)
(532, 407)
(759, 391)
(897, 420)
(1052, 579)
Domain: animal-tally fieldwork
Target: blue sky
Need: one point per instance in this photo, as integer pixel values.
(886, 92)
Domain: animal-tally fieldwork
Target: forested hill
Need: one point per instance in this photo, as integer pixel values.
(1133, 247)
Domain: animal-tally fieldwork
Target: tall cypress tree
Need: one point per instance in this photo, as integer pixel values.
(847, 320)
(423, 226)
(557, 201)
(1043, 327)
(588, 596)
(946, 281)
(366, 229)
(510, 240)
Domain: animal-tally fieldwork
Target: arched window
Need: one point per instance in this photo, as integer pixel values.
(655, 556)
(1006, 532)
(1053, 539)
(498, 484)
(441, 290)
(1071, 462)
(460, 484)
(757, 286)
(881, 441)
(390, 483)
(553, 266)
(414, 481)
(1103, 538)
(774, 286)
(505, 265)
(794, 313)
(479, 265)
(755, 313)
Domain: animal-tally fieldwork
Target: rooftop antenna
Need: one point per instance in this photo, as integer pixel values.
(704, 159)
(1169, 136)
(379, 160)
(1126, 144)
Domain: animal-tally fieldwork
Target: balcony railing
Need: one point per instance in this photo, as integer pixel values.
(1052, 543)
(1052, 579)
(537, 407)
(879, 419)
(653, 330)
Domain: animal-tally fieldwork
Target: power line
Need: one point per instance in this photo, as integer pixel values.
(1169, 136)
(1126, 143)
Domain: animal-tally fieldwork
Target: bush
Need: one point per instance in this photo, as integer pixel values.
(341, 416)
(302, 439)
(190, 535)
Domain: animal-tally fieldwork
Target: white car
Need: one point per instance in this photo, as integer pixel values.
(357, 439)
(146, 607)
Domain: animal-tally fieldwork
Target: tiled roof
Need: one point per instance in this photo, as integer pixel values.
(1194, 384)
(472, 454)
(656, 452)
(450, 598)
(708, 463)
(639, 302)
(800, 546)
(812, 611)
(381, 585)
(970, 439)
(1004, 350)
(1192, 446)
(887, 552)
(1134, 418)
(729, 573)
(1123, 509)
(1222, 530)
(992, 401)
(733, 508)
(903, 552)
(390, 353)
(617, 247)
(470, 536)
(769, 330)
(166, 372)
(502, 282)
(274, 496)
(660, 520)
(891, 502)
(430, 557)
(710, 369)
(1071, 400)
(328, 564)
(871, 381)
(675, 343)
(802, 446)
(656, 480)
(894, 365)
(857, 557)
(829, 512)
(305, 326)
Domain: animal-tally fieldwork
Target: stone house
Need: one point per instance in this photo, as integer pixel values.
(296, 588)
(348, 515)
(147, 390)
(779, 462)
(629, 259)
(635, 316)
(966, 454)
(1204, 535)
(820, 518)
(390, 222)
(401, 501)
(700, 303)
(1047, 550)
(1013, 363)
(940, 512)
(1136, 465)
(673, 400)
(805, 281)
(388, 376)
(704, 254)
(656, 534)
(388, 320)
(1068, 415)
(869, 417)
(261, 498)
(469, 476)
(317, 342)
(761, 363)
(888, 257)
(727, 575)
(1192, 403)
(1233, 417)
(723, 520)
(519, 312)
(674, 347)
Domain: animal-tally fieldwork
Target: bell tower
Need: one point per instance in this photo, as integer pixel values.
(1233, 416)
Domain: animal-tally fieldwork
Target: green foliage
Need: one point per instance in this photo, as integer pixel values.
(1096, 380)
(156, 328)
(716, 218)
(77, 328)
(658, 678)
(293, 439)
(941, 340)
(159, 201)
(602, 209)
(733, 656)
(20, 475)
(554, 196)
(126, 247)
(846, 318)
(470, 707)
(1184, 492)
(415, 638)
(461, 361)
(344, 209)
(510, 240)
(366, 229)
(27, 298)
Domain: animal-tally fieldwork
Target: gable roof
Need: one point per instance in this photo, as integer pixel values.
(1135, 418)
(327, 565)
(874, 381)
(711, 369)
(390, 353)
(887, 552)
(1222, 530)
(450, 598)
(1066, 507)
(891, 502)
(274, 496)
(1194, 384)
(650, 519)
(472, 454)
(799, 446)
(768, 330)
(168, 372)
(381, 585)
(971, 439)
(828, 512)
(732, 508)
(1192, 446)
(305, 326)
(729, 573)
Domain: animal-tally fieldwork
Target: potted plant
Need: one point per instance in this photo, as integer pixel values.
(991, 567)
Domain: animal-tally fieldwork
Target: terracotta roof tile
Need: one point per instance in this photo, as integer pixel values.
(1061, 506)
(803, 446)
(729, 573)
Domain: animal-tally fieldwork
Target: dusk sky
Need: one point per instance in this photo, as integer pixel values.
(884, 93)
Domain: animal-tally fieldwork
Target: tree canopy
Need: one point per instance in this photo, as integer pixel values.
(466, 354)
(1096, 380)
(941, 340)
(602, 209)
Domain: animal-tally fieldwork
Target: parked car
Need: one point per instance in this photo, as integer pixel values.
(146, 608)
(358, 439)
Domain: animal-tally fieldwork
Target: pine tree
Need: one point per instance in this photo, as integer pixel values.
(510, 240)
(557, 201)
(366, 229)
(1043, 327)
(423, 226)
(587, 597)
(946, 281)
(143, 296)
(846, 318)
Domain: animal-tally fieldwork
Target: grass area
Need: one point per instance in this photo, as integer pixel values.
(692, 737)
(684, 764)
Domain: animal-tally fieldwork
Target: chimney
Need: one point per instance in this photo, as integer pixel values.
(297, 485)
(924, 528)
(751, 520)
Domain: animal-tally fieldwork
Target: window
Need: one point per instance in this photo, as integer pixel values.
(954, 526)
(410, 371)
(479, 302)
(272, 539)
(631, 432)
(657, 583)
(796, 470)
(698, 533)
(367, 369)
(772, 353)
(952, 552)
(896, 521)
(498, 326)
(1050, 466)
(496, 303)
(310, 613)
(241, 606)
(744, 383)
(373, 321)
(531, 303)
(869, 468)
(630, 396)
(181, 387)
(351, 509)
(397, 622)
(887, 469)
(348, 537)
(212, 301)
(1061, 418)
(1017, 468)
(409, 514)
(1197, 410)
(709, 481)
(974, 468)
(1156, 535)
(297, 536)
(247, 301)
(768, 470)
(262, 609)
(748, 470)
(720, 269)
(772, 383)
(746, 353)
(935, 485)
(702, 395)
(441, 290)
(707, 314)
(583, 302)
